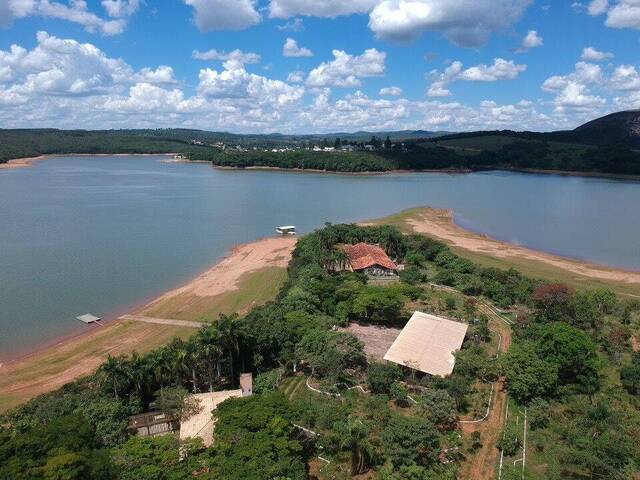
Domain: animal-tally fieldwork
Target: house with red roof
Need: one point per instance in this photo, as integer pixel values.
(369, 259)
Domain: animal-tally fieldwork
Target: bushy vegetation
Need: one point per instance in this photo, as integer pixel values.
(561, 364)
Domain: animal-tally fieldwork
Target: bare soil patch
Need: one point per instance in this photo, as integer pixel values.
(377, 340)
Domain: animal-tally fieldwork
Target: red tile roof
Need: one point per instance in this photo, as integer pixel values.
(363, 255)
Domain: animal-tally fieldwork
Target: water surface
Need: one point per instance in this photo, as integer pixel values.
(100, 234)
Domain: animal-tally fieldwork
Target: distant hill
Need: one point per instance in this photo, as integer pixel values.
(621, 128)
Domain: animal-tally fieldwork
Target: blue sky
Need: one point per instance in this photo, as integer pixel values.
(301, 66)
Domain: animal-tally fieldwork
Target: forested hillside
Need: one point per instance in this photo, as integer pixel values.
(571, 370)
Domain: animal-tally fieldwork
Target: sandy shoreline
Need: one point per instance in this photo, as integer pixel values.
(61, 361)
(29, 161)
(220, 278)
(440, 224)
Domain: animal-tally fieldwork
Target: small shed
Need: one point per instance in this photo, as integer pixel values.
(153, 423)
(427, 343)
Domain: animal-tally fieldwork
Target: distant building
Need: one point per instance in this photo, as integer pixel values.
(369, 259)
(427, 343)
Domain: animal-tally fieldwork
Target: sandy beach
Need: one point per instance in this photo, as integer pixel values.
(29, 161)
(53, 366)
(439, 223)
(21, 162)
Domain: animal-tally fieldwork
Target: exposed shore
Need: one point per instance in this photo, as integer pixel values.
(29, 161)
(51, 366)
(440, 224)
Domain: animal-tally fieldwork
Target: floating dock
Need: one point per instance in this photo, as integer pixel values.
(286, 230)
(89, 319)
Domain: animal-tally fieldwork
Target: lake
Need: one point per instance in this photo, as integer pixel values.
(103, 234)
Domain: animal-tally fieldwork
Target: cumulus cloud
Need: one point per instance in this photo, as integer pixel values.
(590, 54)
(212, 15)
(75, 11)
(530, 40)
(625, 78)
(573, 91)
(501, 69)
(620, 14)
(236, 83)
(464, 22)
(235, 56)
(66, 68)
(346, 70)
(390, 91)
(292, 49)
(317, 8)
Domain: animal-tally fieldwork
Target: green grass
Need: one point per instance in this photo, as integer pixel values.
(253, 289)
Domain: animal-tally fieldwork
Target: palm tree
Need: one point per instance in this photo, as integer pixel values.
(138, 373)
(210, 352)
(354, 436)
(229, 336)
(113, 372)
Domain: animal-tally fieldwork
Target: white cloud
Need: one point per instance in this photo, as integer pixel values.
(75, 11)
(292, 49)
(501, 69)
(621, 14)
(597, 7)
(235, 55)
(625, 14)
(391, 91)
(346, 70)
(530, 40)
(295, 77)
(464, 22)
(121, 8)
(319, 8)
(625, 78)
(212, 15)
(590, 54)
(573, 91)
(236, 83)
(67, 68)
(295, 25)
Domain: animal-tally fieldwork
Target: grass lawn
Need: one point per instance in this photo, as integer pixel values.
(254, 288)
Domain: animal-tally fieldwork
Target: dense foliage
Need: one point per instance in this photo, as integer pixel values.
(567, 344)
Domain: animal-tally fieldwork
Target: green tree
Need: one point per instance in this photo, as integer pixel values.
(438, 407)
(410, 441)
(380, 376)
(527, 374)
(571, 350)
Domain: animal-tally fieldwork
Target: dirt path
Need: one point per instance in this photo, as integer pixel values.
(482, 464)
(163, 321)
(440, 224)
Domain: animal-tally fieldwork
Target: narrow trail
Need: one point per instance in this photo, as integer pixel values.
(481, 465)
(163, 321)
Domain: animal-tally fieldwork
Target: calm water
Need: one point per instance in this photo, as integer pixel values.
(100, 234)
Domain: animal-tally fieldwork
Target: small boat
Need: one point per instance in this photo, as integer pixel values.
(286, 230)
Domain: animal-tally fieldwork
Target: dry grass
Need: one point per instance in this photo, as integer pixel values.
(77, 357)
